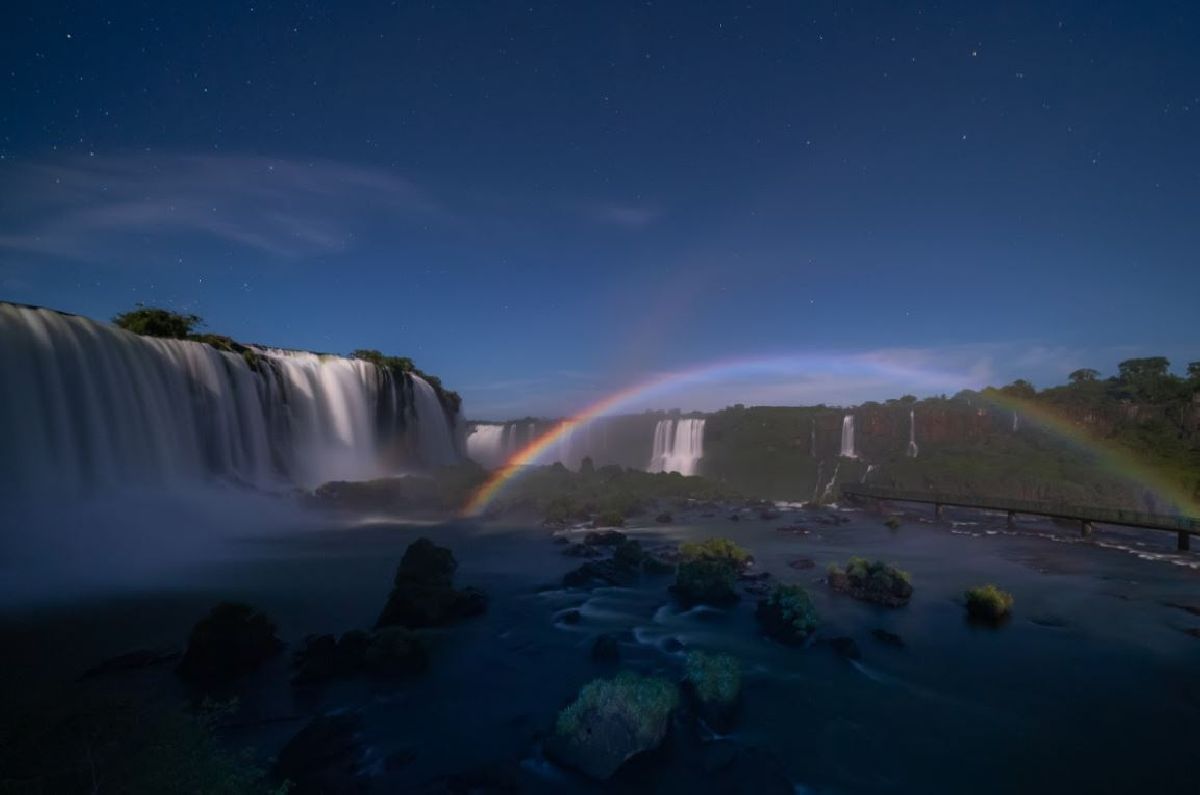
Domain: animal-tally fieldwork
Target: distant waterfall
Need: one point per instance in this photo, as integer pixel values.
(828, 493)
(812, 439)
(912, 434)
(88, 406)
(678, 446)
(870, 468)
(485, 445)
(848, 437)
(1016, 422)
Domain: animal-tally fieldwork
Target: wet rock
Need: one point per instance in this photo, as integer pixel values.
(664, 518)
(233, 639)
(1190, 607)
(387, 651)
(755, 584)
(132, 661)
(570, 617)
(892, 522)
(735, 517)
(1193, 631)
(802, 564)
(606, 649)
(888, 638)
(600, 572)
(846, 647)
(793, 529)
(324, 758)
(605, 538)
(423, 593)
(768, 514)
(581, 551)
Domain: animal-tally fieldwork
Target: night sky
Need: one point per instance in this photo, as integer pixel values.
(541, 202)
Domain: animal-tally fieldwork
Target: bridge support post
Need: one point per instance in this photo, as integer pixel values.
(1185, 541)
(939, 511)
(1086, 528)
(1012, 520)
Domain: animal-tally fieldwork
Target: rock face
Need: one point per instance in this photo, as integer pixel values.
(787, 615)
(233, 639)
(872, 582)
(627, 563)
(611, 721)
(385, 652)
(324, 758)
(423, 593)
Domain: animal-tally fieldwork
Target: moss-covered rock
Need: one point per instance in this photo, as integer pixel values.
(385, 652)
(787, 614)
(423, 593)
(233, 639)
(871, 582)
(988, 604)
(714, 683)
(708, 571)
(705, 581)
(611, 721)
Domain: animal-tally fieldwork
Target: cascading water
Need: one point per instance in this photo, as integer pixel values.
(847, 450)
(87, 406)
(912, 434)
(485, 445)
(870, 468)
(812, 439)
(678, 446)
(828, 493)
(1016, 426)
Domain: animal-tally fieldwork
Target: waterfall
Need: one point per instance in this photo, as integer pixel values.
(867, 474)
(485, 445)
(817, 482)
(912, 434)
(848, 437)
(832, 481)
(678, 446)
(88, 406)
(1016, 422)
(812, 439)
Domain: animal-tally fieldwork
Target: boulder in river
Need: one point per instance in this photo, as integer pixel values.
(233, 639)
(871, 582)
(787, 614)
(713, 683)
(423, 592)
(324, 758)
(611, 721)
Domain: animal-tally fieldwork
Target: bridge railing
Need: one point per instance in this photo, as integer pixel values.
(1119, 516)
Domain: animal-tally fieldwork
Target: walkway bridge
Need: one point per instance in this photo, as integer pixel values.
(1183, 526)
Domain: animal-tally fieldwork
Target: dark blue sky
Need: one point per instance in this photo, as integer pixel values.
(540, 202)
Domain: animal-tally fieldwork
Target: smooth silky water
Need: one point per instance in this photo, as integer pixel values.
(1090, 687)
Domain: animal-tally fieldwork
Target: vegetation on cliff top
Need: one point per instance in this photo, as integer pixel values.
(152, 321)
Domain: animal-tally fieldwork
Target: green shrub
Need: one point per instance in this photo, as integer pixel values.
(721, 549)
(787, 614)
(873, 582)
(149, 321)
(988, 603)
(716, 678)
(706, 581)
(643, 702)
(892, 522)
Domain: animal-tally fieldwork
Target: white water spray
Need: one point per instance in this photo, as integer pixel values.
(912, 434)
(847, 450)
(678, 446)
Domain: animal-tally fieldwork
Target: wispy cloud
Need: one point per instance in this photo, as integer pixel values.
(627, 216)
(85, 208)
